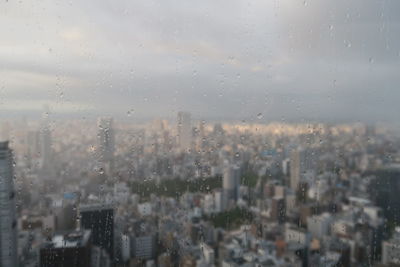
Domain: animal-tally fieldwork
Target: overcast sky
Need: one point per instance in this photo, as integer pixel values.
(318, 59)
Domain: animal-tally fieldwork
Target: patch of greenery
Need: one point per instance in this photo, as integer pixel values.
(249, 179)
(175, 187)
(230, 219)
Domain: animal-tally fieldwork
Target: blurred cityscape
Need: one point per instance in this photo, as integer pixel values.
(189, 192)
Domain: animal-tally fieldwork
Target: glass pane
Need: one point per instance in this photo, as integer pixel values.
(199, 133)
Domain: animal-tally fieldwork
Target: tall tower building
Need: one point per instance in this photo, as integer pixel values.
(295, 169)
(231, 182)
(45, 147)
(106, 140)
(45, 141)
(184, 130)
(100, 220)
(302, 162)
(8, 223)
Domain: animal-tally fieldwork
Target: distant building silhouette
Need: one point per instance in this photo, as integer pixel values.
(8, 224)
(295, 169)
(184, 130)
(106, 139)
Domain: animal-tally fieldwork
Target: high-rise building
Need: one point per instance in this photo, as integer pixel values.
(208, 254)
(45, 147)
(144, 241)
(8, 223)
(318, 225)
(106, 139)
(295, 169)
(64, 213)
(231, 182)
(71, 249)
(184, 130)
(100, 220)
(33, 147)
(278, 211)
(302, 161)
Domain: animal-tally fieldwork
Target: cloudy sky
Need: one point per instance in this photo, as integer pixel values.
(285, 59)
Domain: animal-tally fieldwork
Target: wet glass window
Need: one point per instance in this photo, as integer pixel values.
(199, 133)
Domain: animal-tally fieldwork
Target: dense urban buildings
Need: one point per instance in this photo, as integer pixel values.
(255, 194)
(227, 133)
(184, 130)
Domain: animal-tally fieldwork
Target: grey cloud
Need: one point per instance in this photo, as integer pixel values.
(216, 59)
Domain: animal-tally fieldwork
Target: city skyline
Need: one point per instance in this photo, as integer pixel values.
(199, 133)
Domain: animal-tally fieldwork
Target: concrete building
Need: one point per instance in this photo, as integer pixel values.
(391, 249)
(71, 249)
(208, 254)
(318, 225)
(46, 150)
(219, 201)
(8, 222)
(144, 241)
(231, 182)
(106, 139)
(184, 130)
(295, 169)
(100, 220)
(278, 211)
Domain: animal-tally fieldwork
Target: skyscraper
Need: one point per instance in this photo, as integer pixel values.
(8, 223)
(45, 147)
(295, 169)
(184, 130)
(231, 182)
(106, 140)
(100, 220)
(45, 141)
(302, 161)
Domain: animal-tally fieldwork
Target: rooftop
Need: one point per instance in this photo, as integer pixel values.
(71, 239)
